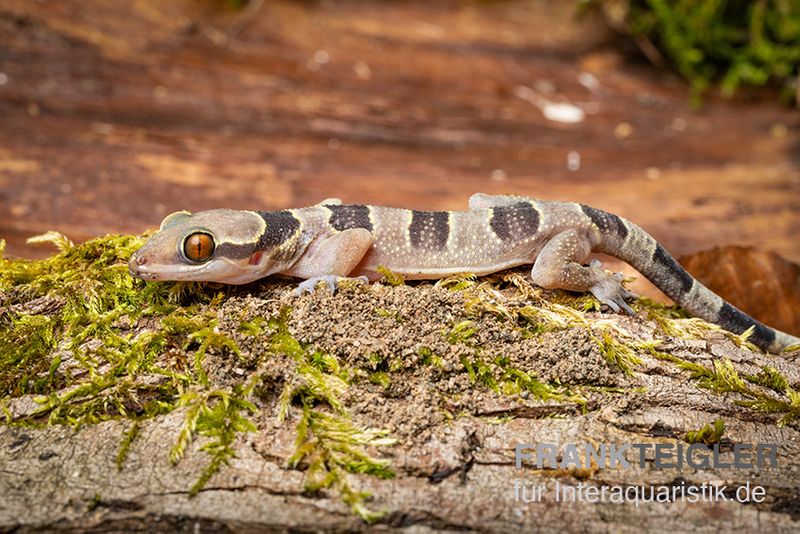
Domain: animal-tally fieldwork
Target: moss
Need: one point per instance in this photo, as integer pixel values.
(480, 372)
(769, 377)
(516, 381)
(93, 305)
(380, 378)
(618, 354)
(498, 375)
(329, 445)
(390, 277)
(390, 314)
(220, 416)
(125, 445)
(24, 349)
(708, 435)
(460, 332)
(722, 377)
(428, 357)
(254, 327)
(458, 282)
(734, 43)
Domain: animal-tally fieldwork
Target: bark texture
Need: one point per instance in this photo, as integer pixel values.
(454, 457)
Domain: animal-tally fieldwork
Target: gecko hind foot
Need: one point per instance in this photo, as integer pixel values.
(609, 289)
(310, 285)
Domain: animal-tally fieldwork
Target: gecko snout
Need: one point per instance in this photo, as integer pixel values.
(135, 263)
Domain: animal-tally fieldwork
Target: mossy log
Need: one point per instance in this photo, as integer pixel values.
(167, 406)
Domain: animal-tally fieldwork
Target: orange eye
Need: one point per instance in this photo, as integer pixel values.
(198, 247)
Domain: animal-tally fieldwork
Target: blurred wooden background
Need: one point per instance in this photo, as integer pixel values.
(113, 114)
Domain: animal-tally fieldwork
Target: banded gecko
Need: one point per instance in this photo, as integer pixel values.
(330, 241)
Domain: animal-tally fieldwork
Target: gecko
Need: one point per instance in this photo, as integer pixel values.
(331, 241)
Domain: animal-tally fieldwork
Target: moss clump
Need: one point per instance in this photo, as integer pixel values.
(390, 277)
(219, 416)
(428, 357)
(329, 445)
(87, 363)
(24, 348)
(754, 391)
(708, 435)
(497, 374)
(735, 42)
(618, 354)
(510, 297)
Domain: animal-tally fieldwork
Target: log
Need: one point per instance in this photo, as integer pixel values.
(382, 407)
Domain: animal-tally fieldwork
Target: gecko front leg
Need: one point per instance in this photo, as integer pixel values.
(560, 266)
(331, 258)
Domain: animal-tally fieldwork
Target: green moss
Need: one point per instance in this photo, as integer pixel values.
(389, 314)
(734, 43)
(460, 332)
(92, 305)
(25, 346)
(769, 377)
(516, 381)
(329, 445)
(617, 353)
(220, 416)
(390, 277)
(708, 435)
(254, 327)
(428, 357)
(480, 372)
(380, 378)
(722, 377)
(458, 282)
(125, 445)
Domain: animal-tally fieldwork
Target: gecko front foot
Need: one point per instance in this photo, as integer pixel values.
(310, 285)
(609, 289)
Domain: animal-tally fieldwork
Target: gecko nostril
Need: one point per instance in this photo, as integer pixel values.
(140, 260)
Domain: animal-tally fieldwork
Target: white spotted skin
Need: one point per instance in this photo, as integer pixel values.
(471, 245)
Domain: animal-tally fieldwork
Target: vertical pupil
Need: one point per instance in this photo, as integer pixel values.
(199, 247)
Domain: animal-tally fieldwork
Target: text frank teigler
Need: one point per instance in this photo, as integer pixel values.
(695, 457)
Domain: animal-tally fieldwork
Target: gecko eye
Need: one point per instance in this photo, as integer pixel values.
(198, 247)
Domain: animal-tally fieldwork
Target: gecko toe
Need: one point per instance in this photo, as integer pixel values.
(610, 291)
(624, 305)
(611, 304)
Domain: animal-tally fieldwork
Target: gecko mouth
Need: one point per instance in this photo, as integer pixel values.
(139, 267)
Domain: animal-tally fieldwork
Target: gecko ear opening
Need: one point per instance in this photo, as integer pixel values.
(174, 218)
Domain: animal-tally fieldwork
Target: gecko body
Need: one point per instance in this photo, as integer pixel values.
(330, 240)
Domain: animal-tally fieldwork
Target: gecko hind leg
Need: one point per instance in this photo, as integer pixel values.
(559, 266)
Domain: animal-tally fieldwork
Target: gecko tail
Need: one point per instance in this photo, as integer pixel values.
(630, 243)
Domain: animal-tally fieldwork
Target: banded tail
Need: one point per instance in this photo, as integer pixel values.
(628, 242)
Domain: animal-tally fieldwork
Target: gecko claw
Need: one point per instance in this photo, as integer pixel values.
(310, 285)
(610, 291)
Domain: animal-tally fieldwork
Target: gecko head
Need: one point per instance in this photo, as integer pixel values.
(211, 246)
